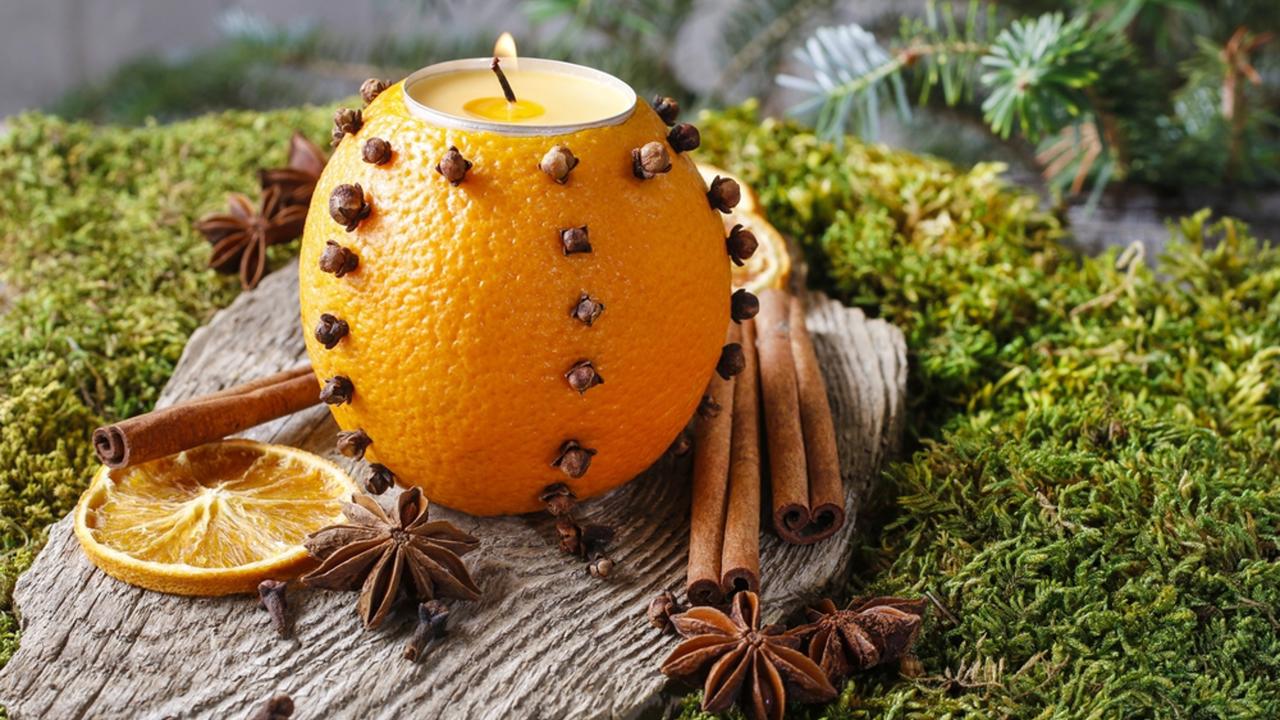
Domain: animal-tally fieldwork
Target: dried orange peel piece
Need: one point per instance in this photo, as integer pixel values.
(213, 520)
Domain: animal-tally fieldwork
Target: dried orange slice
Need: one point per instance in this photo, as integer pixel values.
(214, 520)
(770, 266)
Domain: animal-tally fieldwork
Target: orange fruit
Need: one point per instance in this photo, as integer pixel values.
(459, 311)
(213, 520)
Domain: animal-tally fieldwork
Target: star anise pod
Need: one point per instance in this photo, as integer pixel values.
(376, 554)
(744, 662)
(240, 237)
(869, 633)
(297, 182)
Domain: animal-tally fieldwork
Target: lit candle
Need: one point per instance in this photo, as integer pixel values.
(551, 97)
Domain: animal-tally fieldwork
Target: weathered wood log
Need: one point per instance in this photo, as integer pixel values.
(546, 640)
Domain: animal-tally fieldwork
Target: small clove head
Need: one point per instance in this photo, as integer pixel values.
(684, 137)
(650, 160)
(667, 108)
(587, 310)
(573, 460)
(337, 390)
(732, 360)
(558, 163)
(559, 499)
(346, 122)
(661, 608)
(743, 305)
(433, 621)
(353, 443)
(583, 376)
(271, 595)
(724, 194)
(570, 535)
(379, 480)
(376, 151)
(601, 567)
(347, 206)
(453, 166)
(278, 707)
(709, 409)
(741, 244)
(372, 88)
(682, 444)
(337, 260)
(330, 330)
(575, 240)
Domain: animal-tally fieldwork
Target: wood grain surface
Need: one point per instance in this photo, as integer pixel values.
(545, 641)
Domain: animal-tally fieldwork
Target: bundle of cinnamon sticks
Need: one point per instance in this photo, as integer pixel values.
(781, 376)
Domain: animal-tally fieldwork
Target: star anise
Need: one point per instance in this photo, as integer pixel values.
(744, 662)
(869, 633)
(376, 554)
(297, 182)
(240, 237)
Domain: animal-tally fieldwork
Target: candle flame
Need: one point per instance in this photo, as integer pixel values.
(505, 48)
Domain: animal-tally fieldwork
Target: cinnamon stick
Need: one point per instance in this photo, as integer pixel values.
(204, 419)
(787, 464)
(826, 487)
(710, 489)
(740, 560)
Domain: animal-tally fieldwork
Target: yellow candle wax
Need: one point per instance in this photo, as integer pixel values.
(545, 95)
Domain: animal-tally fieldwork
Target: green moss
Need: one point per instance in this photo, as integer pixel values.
(1094, 495)
(103, 280)
(1091, 493)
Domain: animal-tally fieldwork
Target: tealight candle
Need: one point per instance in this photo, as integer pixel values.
(551, 97)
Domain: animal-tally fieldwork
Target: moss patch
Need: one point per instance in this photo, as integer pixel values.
(1092, 492)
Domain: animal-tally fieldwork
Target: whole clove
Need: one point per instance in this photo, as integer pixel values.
(570, 535)
(558, 163)
(379, 480)
(559, 499)
(338, 260)
(583, 376)
(346, 122)
(376, 151)
(433, 620)
(741, 244)
(453, 166)
(684, 137)
(732, 360)
(724, 194)
(573, 459)
(575, 240)
(667, 108)
(661, 608)
(743, 305)
(650, 160)
(337, 390)
(347, 206)
(587, 310)
(353, 443)
(271, 595)
(330, 330)
(372, 88)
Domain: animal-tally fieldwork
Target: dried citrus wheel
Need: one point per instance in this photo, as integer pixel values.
(770, 266)
(214, 520)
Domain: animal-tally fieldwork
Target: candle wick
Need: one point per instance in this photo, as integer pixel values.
(502, 78)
